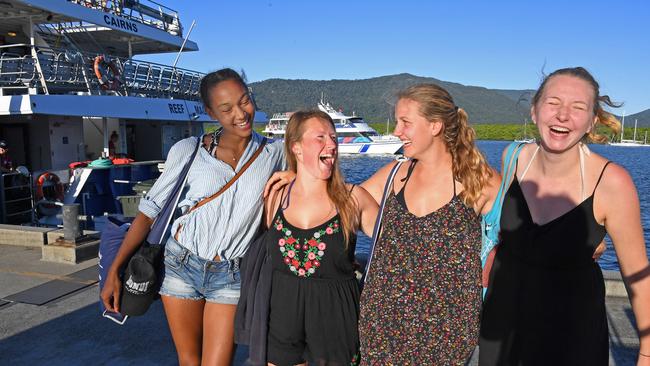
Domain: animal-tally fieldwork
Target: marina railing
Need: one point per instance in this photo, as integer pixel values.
(147, 12)
(71, 72)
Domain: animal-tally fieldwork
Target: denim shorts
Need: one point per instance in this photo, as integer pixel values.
(187, 276)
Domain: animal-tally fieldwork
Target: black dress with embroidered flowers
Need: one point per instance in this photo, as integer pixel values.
(314, 295)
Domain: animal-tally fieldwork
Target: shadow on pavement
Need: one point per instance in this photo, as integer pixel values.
(83, 337)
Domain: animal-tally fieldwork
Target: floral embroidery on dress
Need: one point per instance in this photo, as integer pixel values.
(312, 249)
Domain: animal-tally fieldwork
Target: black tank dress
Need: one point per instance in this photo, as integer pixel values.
(314, 296)
(546, 300)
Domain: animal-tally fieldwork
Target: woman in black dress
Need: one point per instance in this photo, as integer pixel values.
(546, 300)
(314, 304)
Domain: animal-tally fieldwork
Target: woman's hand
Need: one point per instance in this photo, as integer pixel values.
(138, 231)
(277, 181)
(599, 250)
(111, 292)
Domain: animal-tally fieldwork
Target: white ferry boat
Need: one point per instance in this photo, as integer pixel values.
(354, 134)
(70, 78)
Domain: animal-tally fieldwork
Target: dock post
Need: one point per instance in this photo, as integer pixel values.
(70, 245)
(71, 230)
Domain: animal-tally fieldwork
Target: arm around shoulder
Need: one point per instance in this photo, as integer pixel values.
(368, 209)
(376, 183)
(271, 204)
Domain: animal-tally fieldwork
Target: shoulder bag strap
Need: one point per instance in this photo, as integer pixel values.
(161, 224)
(509, 168)
(233, 179)
(380, 214)
(491, 220)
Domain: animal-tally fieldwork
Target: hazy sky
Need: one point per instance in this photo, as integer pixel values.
(495, 44)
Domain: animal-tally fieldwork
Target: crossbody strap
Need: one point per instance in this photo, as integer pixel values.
(491, 221)
(164, 218)
(233, 179)
(509, 169)
(380, 214)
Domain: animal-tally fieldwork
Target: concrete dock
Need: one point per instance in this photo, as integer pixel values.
(70, 331)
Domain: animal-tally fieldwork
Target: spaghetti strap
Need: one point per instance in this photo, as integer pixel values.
(409, 171)
(352, 188)
(601, 176)
(405, 180)
(530, 162)
(284, 204)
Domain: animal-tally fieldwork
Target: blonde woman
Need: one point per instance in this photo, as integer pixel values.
(422, 296)
(546, 302)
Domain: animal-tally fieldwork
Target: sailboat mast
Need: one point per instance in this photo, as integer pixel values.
(525, 123)
(623, 127)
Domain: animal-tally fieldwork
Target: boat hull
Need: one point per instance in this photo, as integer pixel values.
(370, 148)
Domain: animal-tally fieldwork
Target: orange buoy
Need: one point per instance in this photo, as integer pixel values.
(101, 67)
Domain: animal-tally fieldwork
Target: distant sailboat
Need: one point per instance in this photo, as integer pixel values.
(633, 142)
(525, 139)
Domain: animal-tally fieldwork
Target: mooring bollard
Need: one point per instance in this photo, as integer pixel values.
(71, 230)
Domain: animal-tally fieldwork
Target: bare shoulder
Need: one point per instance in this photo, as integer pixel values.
(360, 194)
(616, 181)
(525, 154)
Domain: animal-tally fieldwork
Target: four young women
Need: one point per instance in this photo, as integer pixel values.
(422, 298)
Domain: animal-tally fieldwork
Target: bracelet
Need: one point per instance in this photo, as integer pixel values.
(644, 355)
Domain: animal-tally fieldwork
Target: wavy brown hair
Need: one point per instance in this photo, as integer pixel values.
(602, 117)
(468, 163)
(336, 189)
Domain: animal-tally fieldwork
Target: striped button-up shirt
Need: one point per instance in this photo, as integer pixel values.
(226, 225)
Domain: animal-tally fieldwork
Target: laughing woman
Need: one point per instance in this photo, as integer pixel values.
(422, 297)
(546, 302)
(201, 285)
(312, 224)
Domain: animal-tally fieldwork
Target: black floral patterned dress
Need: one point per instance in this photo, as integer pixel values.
(422, 297)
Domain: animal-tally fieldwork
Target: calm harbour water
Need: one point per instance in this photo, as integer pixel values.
(635, 159)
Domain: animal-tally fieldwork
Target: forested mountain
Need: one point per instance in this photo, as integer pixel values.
(643, 119)
(374, 98)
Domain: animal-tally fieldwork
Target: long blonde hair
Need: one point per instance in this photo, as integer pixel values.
(336, 188)
(469, 166)
(602, 117)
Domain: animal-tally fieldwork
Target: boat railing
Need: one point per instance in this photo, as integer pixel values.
(58, 71)
(148, 12)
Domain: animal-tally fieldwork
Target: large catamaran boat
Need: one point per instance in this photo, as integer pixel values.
(70, 78)
(354, 134)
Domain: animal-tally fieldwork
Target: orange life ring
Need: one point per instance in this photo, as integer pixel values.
(100, 66)
(52, 178)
